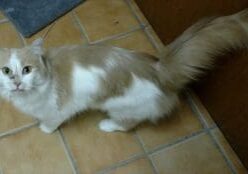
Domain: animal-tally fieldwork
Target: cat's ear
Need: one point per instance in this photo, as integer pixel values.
(37, 46)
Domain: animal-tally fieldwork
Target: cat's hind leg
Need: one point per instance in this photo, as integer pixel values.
(122, 118)
(111, 125)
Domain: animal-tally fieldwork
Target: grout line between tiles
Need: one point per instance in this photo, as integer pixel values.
(160, 148)
(122, 163)
(150, 153)
(44, 36)
(81, 27)
(205, 124)
(196, 110)
(24, 42)
(152, 40)
(17, 130)
(223, 153)
(134, 12)
(117, 36)
(178, 141)
(144, 26)
(68, 153)
(154, 168)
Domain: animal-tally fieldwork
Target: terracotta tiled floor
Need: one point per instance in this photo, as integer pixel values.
(187, 143)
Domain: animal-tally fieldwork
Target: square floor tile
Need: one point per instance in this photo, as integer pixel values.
(135, 41)
(102, 18)
(197, 155)
(229, 151)
(32, 151)
(179, 124)
(9, 37)
(11, 118)
(95, 150)
(141, 166)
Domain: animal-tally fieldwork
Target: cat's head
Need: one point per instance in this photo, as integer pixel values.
(23, 69)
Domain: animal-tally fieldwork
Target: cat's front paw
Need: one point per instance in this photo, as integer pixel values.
(46, 129)
(109, 125)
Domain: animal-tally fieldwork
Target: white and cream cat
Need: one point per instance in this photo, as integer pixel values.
(54, 84)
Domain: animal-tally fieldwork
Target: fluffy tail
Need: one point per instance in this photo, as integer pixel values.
(183, 59)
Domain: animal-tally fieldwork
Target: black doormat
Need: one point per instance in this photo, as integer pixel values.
(29, 16)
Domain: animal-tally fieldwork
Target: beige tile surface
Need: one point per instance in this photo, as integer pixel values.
(33, 152)
(154, 38)
(95, 150)
(106, 18)
(198, 155)
(229, 151)
(11, 118)
(141, 166)
(9, 36)
(135, 41)
(181, 123)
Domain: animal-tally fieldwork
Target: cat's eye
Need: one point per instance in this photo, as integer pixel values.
(6, 71)
(26, 70)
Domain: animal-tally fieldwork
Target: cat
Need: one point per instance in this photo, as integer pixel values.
(54, 84)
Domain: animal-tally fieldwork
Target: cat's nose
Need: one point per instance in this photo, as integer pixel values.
(17, 84)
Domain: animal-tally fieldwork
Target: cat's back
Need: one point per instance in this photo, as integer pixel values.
(86, 55)
(97, 55)
(102, 59)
